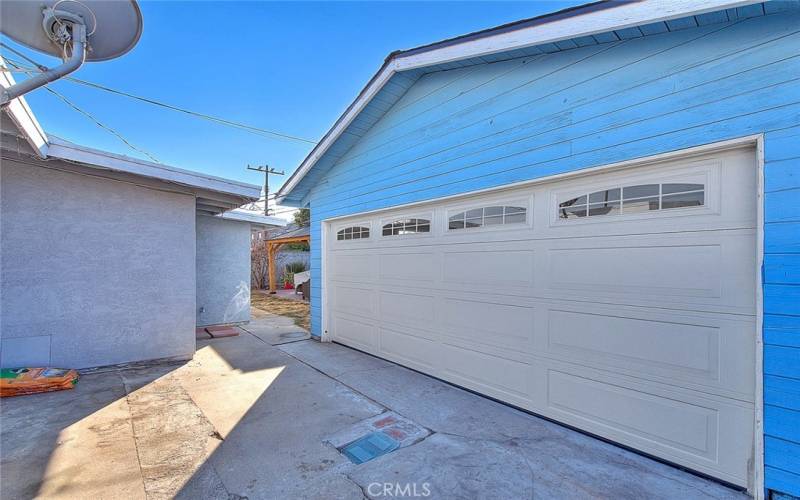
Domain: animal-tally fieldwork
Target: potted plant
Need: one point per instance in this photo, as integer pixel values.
(288, 273)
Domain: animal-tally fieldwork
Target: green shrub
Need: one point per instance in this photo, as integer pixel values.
(295, 267)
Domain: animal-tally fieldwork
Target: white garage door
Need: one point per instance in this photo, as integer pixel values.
(621, 303)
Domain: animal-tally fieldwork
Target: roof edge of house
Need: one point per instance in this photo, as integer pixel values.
(46, 146)
(66, 150)
(253, 218)
(22, 116)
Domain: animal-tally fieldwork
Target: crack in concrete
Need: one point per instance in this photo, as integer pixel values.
(376, 403)
(364, 494)
(152, 484)
(133, 429)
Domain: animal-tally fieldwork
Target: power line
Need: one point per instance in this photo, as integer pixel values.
(196, 114)
(12, 49)
(95, 120)
(99, 124)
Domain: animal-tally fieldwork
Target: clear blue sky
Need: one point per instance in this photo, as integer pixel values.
(292, 67)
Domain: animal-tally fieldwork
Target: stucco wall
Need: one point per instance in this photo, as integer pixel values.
(223, 271)
(488, 125)
(94, 271)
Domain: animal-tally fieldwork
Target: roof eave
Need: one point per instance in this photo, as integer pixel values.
(253, 218)
(65, 150)
(23, 117)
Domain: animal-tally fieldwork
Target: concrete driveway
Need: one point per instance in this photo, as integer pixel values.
(246, 418)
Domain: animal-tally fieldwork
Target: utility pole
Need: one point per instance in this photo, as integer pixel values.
(266, 169)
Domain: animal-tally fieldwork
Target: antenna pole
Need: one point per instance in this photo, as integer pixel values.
(266, 170)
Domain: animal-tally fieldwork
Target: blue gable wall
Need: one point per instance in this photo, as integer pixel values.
(492, 124)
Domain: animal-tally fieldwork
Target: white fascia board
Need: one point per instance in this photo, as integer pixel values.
(377, 83)
(23, 117)
(253, 218)
(625, 15)
(103, 159)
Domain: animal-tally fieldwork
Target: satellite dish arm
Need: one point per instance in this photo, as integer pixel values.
(72, 63)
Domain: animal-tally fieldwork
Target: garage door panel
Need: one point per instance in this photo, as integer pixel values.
(358, 301)
(638, 327)
(708, 434)
(359, 334)
(699, 271)
(488, 266)
(679, 350)
(409, 347)
(689, 270)
(496, 376)
(353, 266)
(701, 352)
(409, 309)
(677, 424)
(476, 321)
(418, 267)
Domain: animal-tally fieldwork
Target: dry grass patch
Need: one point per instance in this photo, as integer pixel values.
(299, 311)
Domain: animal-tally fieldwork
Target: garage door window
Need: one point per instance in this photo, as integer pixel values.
(487, 216)
(632, 199)
(407, 226)
(353, 233)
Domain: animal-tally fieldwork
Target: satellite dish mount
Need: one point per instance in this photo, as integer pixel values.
(60, 29)
(65, 29)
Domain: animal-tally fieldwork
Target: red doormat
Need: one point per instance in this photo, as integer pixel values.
(221, 331)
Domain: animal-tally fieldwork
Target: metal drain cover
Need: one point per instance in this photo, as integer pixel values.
(370, 446)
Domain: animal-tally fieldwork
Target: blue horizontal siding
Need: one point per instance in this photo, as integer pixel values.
(782, 330)
(782, 481)
(782, 206)
(612, 98)
(782, 392)
(782, 268)
(781, 455)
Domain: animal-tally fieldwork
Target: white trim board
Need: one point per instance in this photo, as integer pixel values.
(23, 117)
(624, 15)
(66, 150)
(253, 218)
(758, 453)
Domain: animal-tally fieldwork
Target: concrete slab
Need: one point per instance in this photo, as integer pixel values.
(173, 436)
(333, 359)
(70, 444)
(567, 463)
(276, 330)
(449, 467)
(273, 417)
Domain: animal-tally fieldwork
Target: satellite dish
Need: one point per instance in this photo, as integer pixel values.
(74, 30)
(112, 27)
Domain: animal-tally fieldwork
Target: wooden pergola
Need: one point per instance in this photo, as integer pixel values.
(273, 245)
